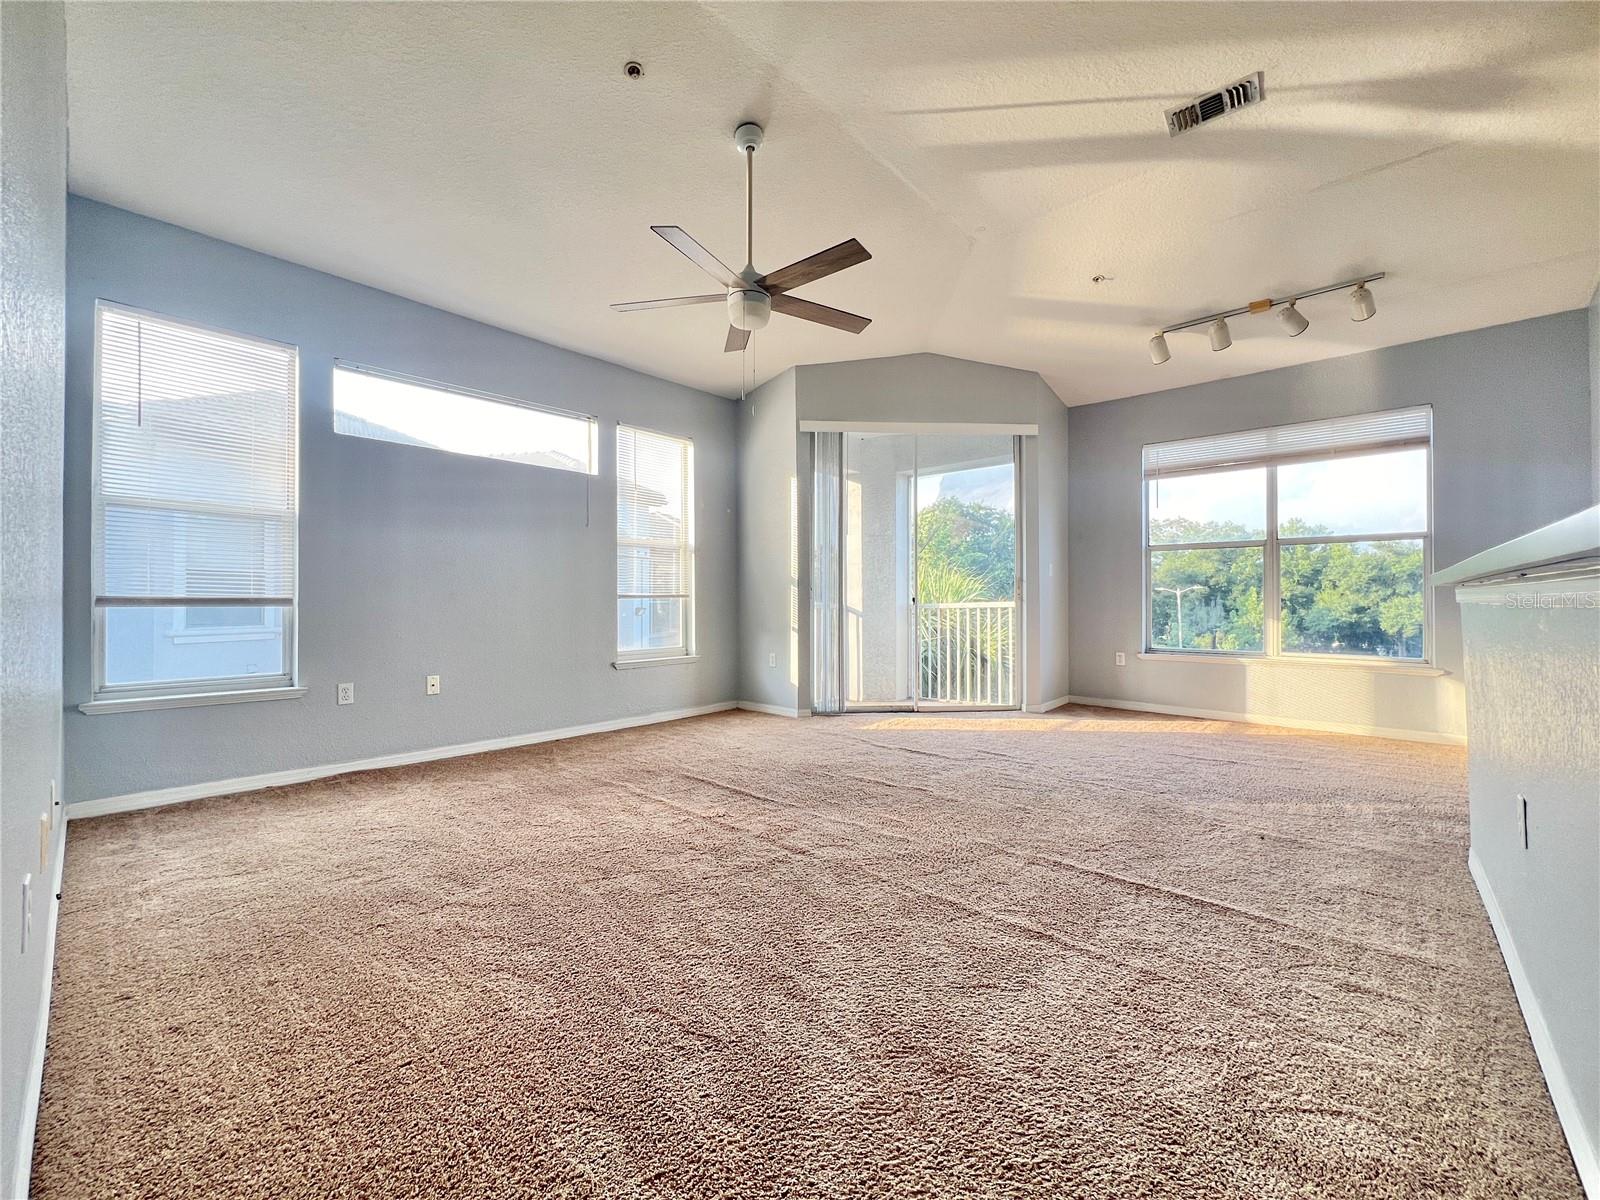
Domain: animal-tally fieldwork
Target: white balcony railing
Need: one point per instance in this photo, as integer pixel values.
(967, 652)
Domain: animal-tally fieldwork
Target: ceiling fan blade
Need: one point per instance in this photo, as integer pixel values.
(824, 262)
(697, 254)
(737, 340)
(672, 302)
(820, 313)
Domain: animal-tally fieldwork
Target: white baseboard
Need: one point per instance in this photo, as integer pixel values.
(1047, 705)
(252, 783)
(1213, 714)
(772, 709)
(33, 1082)
(1584, 1153)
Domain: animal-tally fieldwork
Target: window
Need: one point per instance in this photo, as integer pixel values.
(194, 526)
(413, 412)
(655, 545)
(1304, 540)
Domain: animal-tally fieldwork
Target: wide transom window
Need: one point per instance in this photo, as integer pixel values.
(1302, 540)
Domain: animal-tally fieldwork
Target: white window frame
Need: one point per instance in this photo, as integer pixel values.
(1272, 578)
(110, 697)
(687, 652)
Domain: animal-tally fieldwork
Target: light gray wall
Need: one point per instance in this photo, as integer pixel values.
(498, 576)
(1511, 427)
(931, 388)
(1594, 395)
(1534, 668)
(33, 197)
(772, 553)
(1049, 681)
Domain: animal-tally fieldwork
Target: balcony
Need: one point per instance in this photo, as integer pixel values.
(967, 653)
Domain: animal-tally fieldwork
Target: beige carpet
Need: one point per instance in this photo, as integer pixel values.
(739, 956)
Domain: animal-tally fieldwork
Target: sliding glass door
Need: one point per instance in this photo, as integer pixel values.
(929, 613)
(966, 572)
(879, 487)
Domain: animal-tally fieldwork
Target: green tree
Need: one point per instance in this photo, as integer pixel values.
(1336, 597)
(976, 539)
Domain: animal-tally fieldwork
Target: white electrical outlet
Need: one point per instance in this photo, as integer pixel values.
(772, 660)
(1122, 659)
(27, 910)
(433, 685)
(347, 693)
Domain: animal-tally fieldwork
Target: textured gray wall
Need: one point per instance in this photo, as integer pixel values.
(932, 388)
(1511, 431)
(1594, 395)
(770, 497)
(33, 197)
(1534, 677)
(498, 576)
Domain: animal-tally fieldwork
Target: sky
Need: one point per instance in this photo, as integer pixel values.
(994, 486)
(1370, 493)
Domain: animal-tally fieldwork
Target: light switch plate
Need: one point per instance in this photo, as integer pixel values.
(1122, 659)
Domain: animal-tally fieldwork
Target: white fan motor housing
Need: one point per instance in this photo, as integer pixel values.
(749, 308)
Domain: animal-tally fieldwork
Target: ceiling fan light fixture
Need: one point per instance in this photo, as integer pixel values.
(1158, 349)
(1293, 321)
(1362, 305)
(1221, 339)
(749, 309)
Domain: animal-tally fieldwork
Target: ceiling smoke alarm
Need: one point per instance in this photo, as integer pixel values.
(1211, 105)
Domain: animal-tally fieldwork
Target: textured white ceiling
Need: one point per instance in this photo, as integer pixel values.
(494, 161)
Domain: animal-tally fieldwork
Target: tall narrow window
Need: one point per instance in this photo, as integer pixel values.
(655, 545)
(194, 525)
(1302, 540)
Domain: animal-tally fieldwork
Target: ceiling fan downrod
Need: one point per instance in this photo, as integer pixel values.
(750, 306)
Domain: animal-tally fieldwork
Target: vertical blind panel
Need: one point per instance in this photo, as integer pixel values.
(655, 517)
(1309, 439)
(196, 451)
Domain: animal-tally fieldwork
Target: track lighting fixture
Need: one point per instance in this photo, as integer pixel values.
(1290, 317)
(1362, 305)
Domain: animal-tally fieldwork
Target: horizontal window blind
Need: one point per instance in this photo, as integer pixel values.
(195, 440)
(654, 514)
(1363, 433)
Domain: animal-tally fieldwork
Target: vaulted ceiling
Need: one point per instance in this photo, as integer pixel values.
(495, 161)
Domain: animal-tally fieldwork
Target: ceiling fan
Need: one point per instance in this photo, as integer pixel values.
(753, 298)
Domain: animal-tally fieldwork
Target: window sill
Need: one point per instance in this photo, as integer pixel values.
(628, 664)
(1283, 660)
(189, 700)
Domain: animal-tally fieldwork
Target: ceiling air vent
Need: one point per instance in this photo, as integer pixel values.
(1214, 104)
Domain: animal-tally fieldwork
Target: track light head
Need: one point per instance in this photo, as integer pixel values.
(1292, 320)
(1158, 349)
(1221, 339)
(1362, 305)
